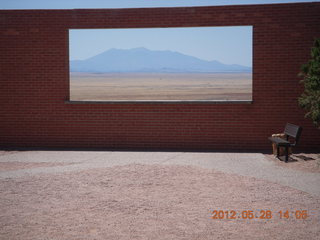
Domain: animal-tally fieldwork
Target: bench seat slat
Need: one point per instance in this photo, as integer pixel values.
(279, 141)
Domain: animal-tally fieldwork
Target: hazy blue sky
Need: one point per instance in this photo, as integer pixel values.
(64, 4)
(226, 44)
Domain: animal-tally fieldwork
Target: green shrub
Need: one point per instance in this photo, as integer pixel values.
(310, 98)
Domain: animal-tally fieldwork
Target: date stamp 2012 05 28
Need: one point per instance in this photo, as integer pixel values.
(260, 214)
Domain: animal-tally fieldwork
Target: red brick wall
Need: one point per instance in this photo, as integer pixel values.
(35, 82)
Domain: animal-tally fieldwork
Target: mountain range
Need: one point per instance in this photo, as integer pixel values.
(145, 60)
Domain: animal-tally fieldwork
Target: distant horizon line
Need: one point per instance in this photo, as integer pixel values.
(168, 50)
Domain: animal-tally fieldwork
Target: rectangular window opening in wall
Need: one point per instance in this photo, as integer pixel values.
(210, 64)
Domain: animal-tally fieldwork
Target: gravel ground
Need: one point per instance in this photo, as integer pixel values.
(305, 162)
(245, 164)
(139, 201)
(11, 166)
(156, 195)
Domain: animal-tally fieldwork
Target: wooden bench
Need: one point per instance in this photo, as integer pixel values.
(292, 133)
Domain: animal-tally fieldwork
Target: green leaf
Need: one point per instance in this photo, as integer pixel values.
(310, 98)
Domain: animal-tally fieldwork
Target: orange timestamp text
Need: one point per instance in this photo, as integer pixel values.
(260, 214)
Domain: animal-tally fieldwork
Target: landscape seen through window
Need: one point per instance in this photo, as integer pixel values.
(161, 64)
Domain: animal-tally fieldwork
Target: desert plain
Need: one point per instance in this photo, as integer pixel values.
(160, 86)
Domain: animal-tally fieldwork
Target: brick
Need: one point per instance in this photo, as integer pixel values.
(34, 82)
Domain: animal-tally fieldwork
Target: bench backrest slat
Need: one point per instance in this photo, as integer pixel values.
(293, 131)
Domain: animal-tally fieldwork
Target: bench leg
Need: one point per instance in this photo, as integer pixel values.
(278, 153)
(287, 154)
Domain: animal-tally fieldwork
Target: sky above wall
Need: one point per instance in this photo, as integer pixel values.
(69, 4)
